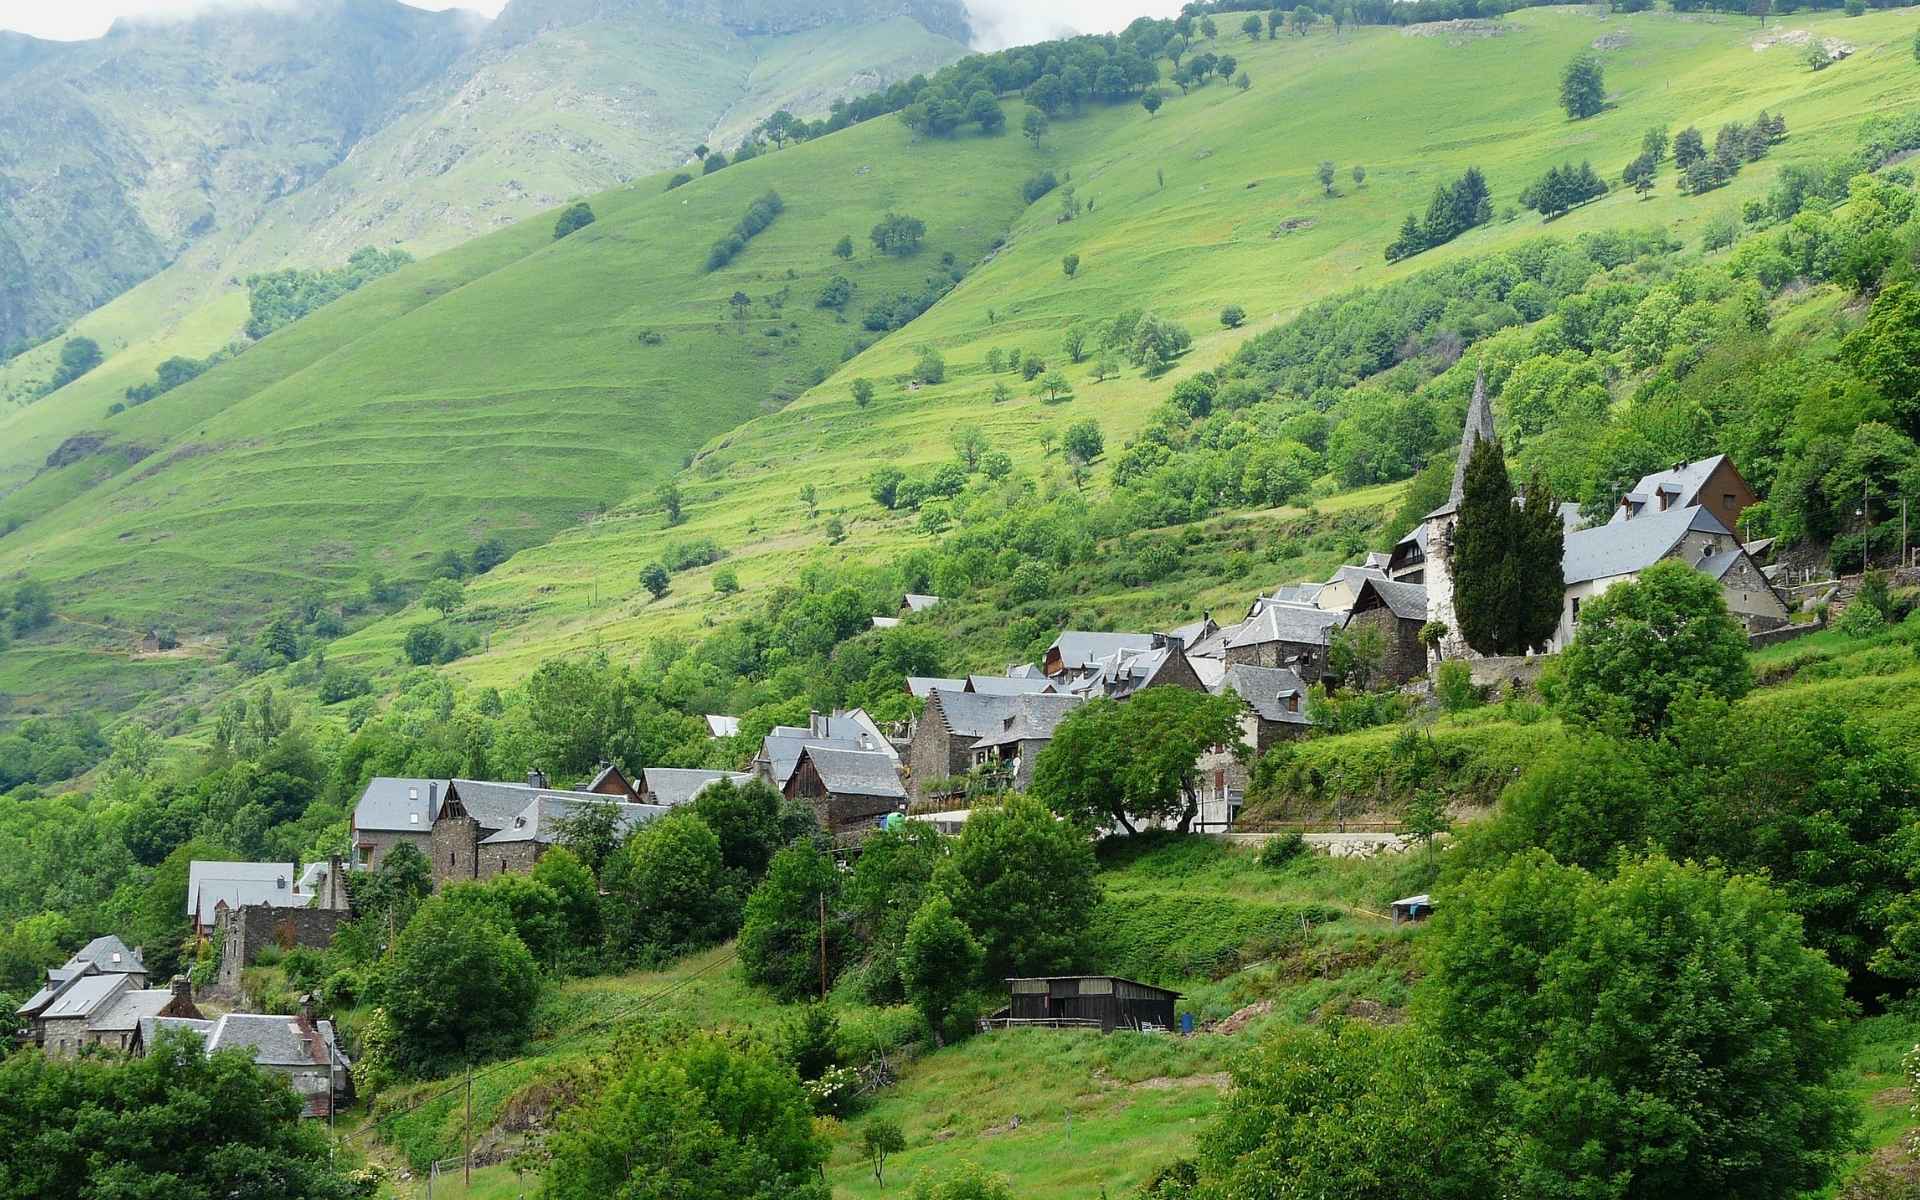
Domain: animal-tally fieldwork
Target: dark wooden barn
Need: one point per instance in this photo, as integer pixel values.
(1106, 1001)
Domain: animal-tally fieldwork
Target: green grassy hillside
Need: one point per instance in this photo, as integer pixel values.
(524, 123)
(1240, 219)
(521, 403)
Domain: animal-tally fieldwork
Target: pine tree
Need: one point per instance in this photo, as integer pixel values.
(1688, 148)
(1483, 589)
(1507, 587)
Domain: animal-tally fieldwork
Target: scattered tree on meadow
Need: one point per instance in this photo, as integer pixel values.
(1583, 87)
(1070, 265)
(898, 235)
(1033, 126)
(575, 216)
(1233, 316)
(1562, 188)
(1083, 440)
(878, 1139)
(78, 355)
(1325, 174)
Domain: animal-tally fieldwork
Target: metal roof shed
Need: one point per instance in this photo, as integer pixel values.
(1106, 1001)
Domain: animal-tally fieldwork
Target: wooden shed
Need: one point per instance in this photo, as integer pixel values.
(1412, 910)
(1106, 1001)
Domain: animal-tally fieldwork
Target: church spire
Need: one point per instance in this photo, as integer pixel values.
(1479, 428)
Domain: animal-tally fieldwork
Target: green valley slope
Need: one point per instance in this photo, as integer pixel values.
(1239, 219)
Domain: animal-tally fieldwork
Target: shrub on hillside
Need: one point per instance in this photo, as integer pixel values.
(574, 217)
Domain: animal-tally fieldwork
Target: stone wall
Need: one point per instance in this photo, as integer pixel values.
(453, 853)
(1404, 658)
(510, 858)
(247, 930)
(1786, 633)
(935, 753)
(371, 846)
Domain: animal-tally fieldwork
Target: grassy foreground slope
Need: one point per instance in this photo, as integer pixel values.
(1213, 201)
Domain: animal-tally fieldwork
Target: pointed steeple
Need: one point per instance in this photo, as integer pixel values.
(1479, 428)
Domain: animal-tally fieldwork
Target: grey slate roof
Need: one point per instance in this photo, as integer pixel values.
(1478, 428)
(719, 726)
(1716, 566)
(1408, 601)
(1079, 649)
(1621, 549)
(275, 1041)
(1002, 685)
(1034, 719)
(240, 883)
(1570, 518)
(1120, 674)
(404, 805)
(922, 686)
(1300, 623)
(856, 772)
(540, 820)
(1348, 573)
(971, 714)
(84, 995)
(1193, 631)
(782, 751)
(886, 622)
(1025, 671)
(1214, 645)
(1265, 689)
(915, 602)
(495, 805)
(108, 953)
(1682, 483)
(671, 786)
(130, 1008)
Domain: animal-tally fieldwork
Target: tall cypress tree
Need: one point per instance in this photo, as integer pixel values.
(1507, 587)
(1483, 538)
(1542, 551)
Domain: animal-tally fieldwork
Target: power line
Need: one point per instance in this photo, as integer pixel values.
(593, 1027)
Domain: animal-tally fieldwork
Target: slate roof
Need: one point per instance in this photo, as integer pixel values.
(886, 622)
(608, 771)
(1002, 685)
(1291, 593)
(540, 820)
(1193, 631)
(1265, 689)
(1683, 483)
(1025, 671)
(405, 805)
(856, 772)
(1570, 518)
(84, 995)
(671, 786)
(1079, 649)
(1478, 428)
(1207, 670)
(1212, 647)
(313, 877)
(1034, 718)
(495, 805)
(1300, 623)
(782, 751)
(1348, 573)
(719, 726)
(1621, 549)
(130, 1008)
(240, 883)
(1716, 566)
(922, 686)
(972, 714)
(1407, 601)
(275, 1041)
(915, 602)
(108, 953)
(1118, 675)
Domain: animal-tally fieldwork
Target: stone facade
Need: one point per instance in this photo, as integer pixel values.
(1404, 658)
(251, 928)
(508, 858)
(454, 852)
(371, 846)
(936, 752)
(837, 812)
(1305, 658)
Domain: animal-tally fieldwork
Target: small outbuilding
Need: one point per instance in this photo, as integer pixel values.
(1106, 1001)
(1413, 909)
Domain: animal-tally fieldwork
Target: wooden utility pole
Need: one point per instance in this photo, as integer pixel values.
(467, 1157)
(823, 947)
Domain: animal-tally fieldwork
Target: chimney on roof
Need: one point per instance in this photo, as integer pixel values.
(280, 883)
(536, 778)
(1159, 641)
(182, 989)
(306, 1008)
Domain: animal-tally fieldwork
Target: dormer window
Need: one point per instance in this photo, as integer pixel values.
(413, 818)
